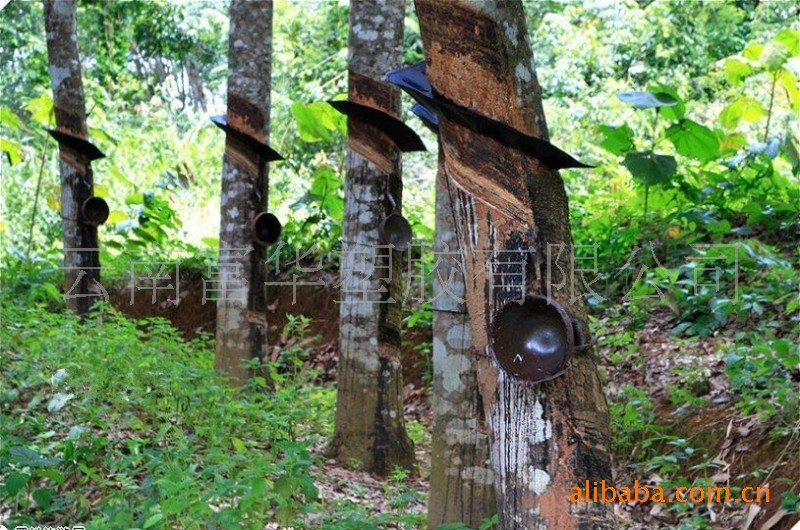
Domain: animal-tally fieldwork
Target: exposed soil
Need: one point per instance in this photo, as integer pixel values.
(191, 316)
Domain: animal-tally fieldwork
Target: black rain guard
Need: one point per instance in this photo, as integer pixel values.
(401, 134)
(76, 143)
(429, 118)
(414, 81)
(269, 154)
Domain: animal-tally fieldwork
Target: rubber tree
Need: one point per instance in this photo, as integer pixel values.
(509, 207)
(241, 296)
(370, 428)
(462, 478)
(81, 254)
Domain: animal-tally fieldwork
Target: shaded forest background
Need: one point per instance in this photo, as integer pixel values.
(701, 370)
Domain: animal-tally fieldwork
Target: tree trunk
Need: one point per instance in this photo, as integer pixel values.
(544, 438)
(370, 428)
(462, 480)
(81, 253)
(241, 307)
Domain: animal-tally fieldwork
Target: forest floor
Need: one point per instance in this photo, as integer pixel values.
(690, 426)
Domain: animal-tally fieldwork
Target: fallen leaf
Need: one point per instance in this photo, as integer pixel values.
(752, 512)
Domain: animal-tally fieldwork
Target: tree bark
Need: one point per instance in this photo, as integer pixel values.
(241, 306)
(81, 253)
(462, 478)
(544, 438)
(370, 428)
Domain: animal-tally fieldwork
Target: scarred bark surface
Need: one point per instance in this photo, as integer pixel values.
(241, 308)
(369, 411)
(508, 207)
(81, 257)
(462, 478)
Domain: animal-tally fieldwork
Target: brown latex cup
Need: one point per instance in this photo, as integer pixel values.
(266, 229)
(396, 231)
(94, 211)
(533, 341)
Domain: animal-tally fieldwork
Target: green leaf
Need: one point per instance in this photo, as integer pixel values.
(670, 112)
(616, 140)
(693, 140)
(753, 51)
(334, 207)
(774, 57)
(13, 149)
(59, 401)
(9, 119)
(147, 234)
(310, 491)
(317, 121)
(24, 456)
(16, 482)
(43, 497)
(788, 81)
(310, 129)
(119, 175)
(325, 191)
(647, 100)
(719, 228)
(649, 167)
(736, 70)
(152, 520)
(744, 108)
(238, 445)
(285, 514)
(52, 474)
(791, 152)
(210, 242)
(53, 201)
(173, 505)
(490, 523)
(285, 486)
(729, 143)
(41, 109)
(116, 217)
(324, 182)
(96, 132)
(134, 198)
(790, 38)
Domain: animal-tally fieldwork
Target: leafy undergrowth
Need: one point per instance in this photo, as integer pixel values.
(120, 423)
(117, 423)
(720, 411)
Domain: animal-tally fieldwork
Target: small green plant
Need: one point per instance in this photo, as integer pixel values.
(400, 495)
(688, 137)
(418, 433)
(761, 375)
(129, 415)
(294, 350)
